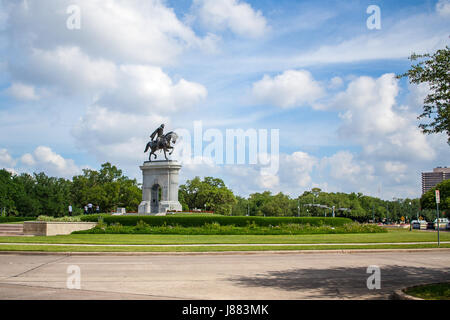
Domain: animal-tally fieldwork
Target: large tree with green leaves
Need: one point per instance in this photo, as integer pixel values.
(107, 188)
(210, 192)
(428, 200)
(435, 71)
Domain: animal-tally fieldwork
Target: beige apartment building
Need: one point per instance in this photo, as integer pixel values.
(430, 179)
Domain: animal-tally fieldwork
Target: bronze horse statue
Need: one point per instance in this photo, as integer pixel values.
(162, 143)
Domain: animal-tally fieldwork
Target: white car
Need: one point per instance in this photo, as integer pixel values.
(443, 223)
(419, 224)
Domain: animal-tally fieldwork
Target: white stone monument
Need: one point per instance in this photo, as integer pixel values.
(159, 187)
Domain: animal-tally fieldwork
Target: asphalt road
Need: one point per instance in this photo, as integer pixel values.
(219, 276)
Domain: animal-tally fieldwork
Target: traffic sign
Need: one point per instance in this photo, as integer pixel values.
(438, 198)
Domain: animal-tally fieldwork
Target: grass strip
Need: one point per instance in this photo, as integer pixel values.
(436, 291)
(391, 236)
(44, 248)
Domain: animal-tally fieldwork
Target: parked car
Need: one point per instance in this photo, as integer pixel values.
(419, 224)
(443, 222)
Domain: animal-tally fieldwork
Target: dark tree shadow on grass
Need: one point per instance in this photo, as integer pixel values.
(342, 282)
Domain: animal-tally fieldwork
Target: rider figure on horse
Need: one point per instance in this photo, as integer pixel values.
(159, 133)
(161, 141)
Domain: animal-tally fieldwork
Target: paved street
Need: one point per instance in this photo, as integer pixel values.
(219, 276)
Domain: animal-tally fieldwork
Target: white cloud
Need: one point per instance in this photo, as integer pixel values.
(53, 164)
(372, 118)
(69, 69)
(43, 159)
(6, 160)
(344, 168)
(28, 159)
(22, 91)
(296, 169)
(236, 15)
(443, 8)
(395, 167)
(292, 88)
(335, 82)
(136, 31)
(115, 135)
(147, 89)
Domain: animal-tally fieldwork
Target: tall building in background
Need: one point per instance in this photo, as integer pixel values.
(430, 179)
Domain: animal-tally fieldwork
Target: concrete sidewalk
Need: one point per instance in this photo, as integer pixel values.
(219, 276)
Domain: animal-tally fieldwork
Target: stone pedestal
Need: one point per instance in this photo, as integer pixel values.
(159, 187)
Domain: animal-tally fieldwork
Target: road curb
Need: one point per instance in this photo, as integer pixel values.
(119, 253)
(400, 295)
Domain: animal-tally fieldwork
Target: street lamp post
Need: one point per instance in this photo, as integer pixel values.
(298, 207)
(410, 216)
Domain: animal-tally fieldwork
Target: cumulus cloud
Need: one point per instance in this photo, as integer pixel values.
(67, 68)
(371, 117)
(42, 159)
(292, 88)
(137, 31)
(22, 91)
(236, 15)
(335, 82)
(344, 168)
(46, 160)
(28, 159)
(114, 135)
(6, 160)
(147, 89)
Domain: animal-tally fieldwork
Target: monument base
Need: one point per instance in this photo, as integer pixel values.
(164, 206)
(159, 187)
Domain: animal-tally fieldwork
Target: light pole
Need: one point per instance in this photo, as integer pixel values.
(298, 207)
(410, 217)
(438, 200)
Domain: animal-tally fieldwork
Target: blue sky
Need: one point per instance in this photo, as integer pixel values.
(71, 99)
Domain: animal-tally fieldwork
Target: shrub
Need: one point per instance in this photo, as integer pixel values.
(198, 221)
(216, 229)
(61, 219)
(141, 225)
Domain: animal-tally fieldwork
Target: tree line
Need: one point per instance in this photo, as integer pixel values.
(212, 194)
(38, 194)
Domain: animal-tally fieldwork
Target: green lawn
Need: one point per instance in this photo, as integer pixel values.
(438, 291)
(397, 236)
(47, 248)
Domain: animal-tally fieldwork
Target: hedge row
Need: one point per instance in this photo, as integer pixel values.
(16, 219)
(197, 221)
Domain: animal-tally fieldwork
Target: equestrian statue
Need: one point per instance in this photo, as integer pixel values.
(161, 141)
